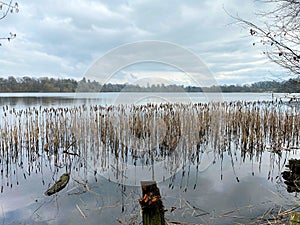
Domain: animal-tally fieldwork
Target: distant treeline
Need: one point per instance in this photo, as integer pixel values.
(27, 84)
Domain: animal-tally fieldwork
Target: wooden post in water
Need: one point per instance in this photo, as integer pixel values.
(151, 204)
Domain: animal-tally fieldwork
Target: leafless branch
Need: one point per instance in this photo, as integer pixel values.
(280, 33)
(6, 8)
(10, 7)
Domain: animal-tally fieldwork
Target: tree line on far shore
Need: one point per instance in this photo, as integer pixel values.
(45, 84)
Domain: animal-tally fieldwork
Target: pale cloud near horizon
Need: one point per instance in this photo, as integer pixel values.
(64, 38)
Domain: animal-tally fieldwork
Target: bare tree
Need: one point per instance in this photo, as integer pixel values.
(279, 32)
(6, 8)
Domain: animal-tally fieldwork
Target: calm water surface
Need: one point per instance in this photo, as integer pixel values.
(61, 99)
(222, 190)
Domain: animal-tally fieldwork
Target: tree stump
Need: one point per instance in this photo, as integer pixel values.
(292, 175)
(151, 204)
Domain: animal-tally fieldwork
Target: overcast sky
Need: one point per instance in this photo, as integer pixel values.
(61, 38)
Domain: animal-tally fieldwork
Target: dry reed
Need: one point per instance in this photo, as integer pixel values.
(99, 138)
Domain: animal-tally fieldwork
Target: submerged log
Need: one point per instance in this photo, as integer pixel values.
(59, 185)
(151, 204)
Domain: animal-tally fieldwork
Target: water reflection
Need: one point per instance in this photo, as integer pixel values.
(198, 151)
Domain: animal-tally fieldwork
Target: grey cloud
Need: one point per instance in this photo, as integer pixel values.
(65, 37)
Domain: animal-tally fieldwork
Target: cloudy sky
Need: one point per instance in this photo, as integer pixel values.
(61, 38)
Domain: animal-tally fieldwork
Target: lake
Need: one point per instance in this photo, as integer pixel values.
(61, 99)
(212, 162)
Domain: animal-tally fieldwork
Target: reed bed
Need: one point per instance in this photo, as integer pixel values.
(99, 138)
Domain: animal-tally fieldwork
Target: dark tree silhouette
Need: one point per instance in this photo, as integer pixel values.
(45, 84)
(279, 32)
(7, 7)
